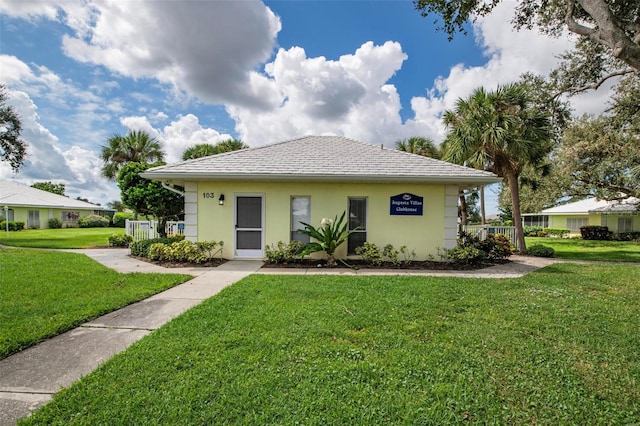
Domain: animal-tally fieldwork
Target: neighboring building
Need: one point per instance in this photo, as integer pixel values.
(256, 197)
(35, 207)
(618, 216)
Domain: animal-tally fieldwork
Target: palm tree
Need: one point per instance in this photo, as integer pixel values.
(198, 151)
(419, 145)
(206, 149)
(500, 131)
(135, 147)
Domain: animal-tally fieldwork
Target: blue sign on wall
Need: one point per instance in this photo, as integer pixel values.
(406, 205)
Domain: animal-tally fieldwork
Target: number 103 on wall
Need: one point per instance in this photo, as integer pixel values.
(208, 195)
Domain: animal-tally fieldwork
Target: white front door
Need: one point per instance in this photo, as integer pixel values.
(249, 226)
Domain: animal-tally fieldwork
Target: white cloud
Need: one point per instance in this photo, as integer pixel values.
(348, 96)
(182, 133)
(76, 167)
(31, 9)
(209, 48)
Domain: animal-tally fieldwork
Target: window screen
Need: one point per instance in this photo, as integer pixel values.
(357, 220)
(300, 212)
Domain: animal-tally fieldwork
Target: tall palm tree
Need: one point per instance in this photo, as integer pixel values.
(206, 149)
(419, 145)
(500, 131)
(135, 147)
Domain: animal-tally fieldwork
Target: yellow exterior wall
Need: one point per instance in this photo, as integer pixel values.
(560, 221)
(21, 214)
(424, 233)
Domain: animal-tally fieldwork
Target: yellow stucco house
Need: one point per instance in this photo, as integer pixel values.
(34, 207)
(618, 216)
(258, 196)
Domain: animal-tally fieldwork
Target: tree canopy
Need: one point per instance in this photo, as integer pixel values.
(13, 150)
(148, 197)
(500, 131)
(419, 145)
(135, 147)
(608, 32)
(55, 188)
(206, 149)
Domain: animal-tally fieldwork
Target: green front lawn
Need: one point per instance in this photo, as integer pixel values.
(568, 248)
(45, 293)
(559, 346)
(66, 238)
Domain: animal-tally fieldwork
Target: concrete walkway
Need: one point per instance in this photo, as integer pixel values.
(29, 378)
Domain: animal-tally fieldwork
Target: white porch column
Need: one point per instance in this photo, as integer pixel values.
(191, 211)
(450, 216)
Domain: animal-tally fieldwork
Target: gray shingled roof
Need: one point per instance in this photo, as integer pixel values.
(320, 158)
(13, 194)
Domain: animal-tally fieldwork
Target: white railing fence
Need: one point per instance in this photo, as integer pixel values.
(148, 229)
(482, 231)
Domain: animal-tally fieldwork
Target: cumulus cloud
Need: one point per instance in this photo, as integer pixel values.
(208, 48)
(180, 134)
(349, 96)
(76, 167)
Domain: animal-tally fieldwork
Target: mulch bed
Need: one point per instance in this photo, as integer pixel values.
(427, 265)
(212, 263)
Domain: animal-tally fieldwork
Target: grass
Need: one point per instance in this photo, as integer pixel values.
(568, 248)
(66, 238)
(44, 293)
(559, 346)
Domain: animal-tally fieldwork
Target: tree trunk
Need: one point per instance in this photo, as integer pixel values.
(512, 179)
(483, 215)
(463, 209)
(162, 227)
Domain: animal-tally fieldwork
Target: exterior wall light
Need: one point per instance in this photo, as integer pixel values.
(221, 200)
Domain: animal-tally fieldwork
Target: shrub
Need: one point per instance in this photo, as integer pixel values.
(119, 218)
(120, 240)
(403, 256)
(371, 253)
(141, 248)
(593, 232)
(93, 221)
(159, 251)
(13, 226)
(556, 232)
(54, 223)
(496, 246)
(627, 236)
(468, 255)
(540, 250)
(532, 231)
(281, 252)
(211, 248)
(330, 235)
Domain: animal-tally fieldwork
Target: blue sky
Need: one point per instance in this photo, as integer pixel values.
(202, 71)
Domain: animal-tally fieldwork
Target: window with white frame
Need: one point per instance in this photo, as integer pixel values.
(575, 223)
(538, 220)
(300, 212)
(357, 220)
(70, 216)
(33, 219)
(625, 224)
(9, 214)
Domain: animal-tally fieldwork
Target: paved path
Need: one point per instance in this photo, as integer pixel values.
(29, 378)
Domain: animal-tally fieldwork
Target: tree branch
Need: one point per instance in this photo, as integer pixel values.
(593, 86)
(573, 25)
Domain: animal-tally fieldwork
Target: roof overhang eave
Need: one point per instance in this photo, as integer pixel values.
(184, 177)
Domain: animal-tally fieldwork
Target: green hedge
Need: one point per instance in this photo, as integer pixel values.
(595, 233)
(141, 248)
(118, 220)
(13, 226)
